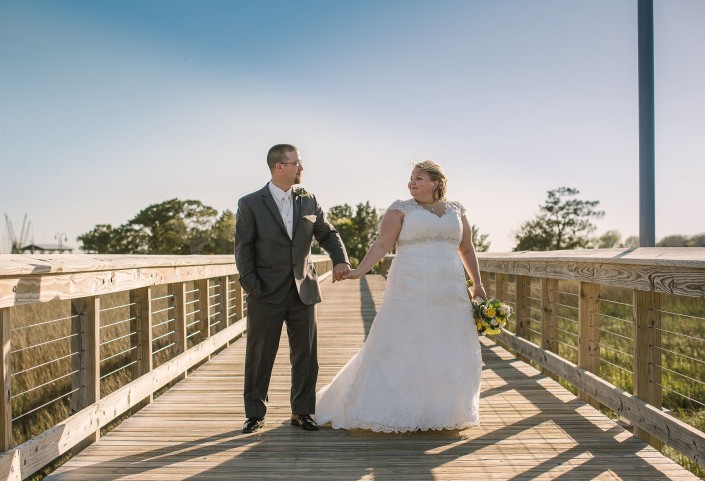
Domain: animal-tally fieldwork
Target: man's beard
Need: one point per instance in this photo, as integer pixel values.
(297, 179)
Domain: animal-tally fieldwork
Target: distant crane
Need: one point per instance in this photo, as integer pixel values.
(18, 242)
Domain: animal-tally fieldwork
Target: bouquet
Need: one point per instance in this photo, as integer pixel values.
(490, 316)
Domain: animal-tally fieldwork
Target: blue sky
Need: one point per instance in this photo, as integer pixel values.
(107, 107)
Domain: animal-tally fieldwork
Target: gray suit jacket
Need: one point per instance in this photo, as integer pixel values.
(267, 258)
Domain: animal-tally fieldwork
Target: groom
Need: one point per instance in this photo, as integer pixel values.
(274, 229)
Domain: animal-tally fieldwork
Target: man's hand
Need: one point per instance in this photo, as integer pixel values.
(340, 271)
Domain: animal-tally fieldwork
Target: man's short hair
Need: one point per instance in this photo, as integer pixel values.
(277, 154)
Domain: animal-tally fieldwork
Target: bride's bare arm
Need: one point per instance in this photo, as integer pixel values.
(469, 258)
(388, 233)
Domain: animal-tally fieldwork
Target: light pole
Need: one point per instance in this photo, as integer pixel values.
(61, 236)
(647, 202)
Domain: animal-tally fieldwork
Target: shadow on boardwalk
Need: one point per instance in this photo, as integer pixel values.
(531, 429)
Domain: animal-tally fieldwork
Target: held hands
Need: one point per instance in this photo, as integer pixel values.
(354, 274)
(343, 272)
(340, 271)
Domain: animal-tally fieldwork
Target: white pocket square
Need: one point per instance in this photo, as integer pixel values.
(311, 217)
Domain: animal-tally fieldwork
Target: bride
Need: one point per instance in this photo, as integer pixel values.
(420, 365)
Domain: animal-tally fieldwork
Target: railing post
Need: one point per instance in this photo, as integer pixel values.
(522, 320)
(589, 334)
(177, 291)
(141, 313)
(549, 322)
(549, 325)
(5, 402)
(500, 283)
(204, 305)
(85, 325)
(239, 299)
(224, 301)
(485, 276)
(647, 354)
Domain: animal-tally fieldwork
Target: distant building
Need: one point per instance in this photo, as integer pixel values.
(46, 249)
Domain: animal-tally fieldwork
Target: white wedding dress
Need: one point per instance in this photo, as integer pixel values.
(420, 365)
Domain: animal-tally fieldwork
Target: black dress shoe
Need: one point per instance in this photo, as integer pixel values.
(304, 421)
(252, 425)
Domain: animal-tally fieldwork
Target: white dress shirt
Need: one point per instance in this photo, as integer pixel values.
(285, 202)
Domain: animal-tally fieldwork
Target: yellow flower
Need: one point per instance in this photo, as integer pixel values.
(491, 312)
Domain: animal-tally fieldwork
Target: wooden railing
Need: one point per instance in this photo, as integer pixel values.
(624, 327)
(88, 339)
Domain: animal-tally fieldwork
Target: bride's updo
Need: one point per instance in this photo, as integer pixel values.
(435, 172)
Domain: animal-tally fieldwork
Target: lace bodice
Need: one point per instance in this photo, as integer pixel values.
(421, 226)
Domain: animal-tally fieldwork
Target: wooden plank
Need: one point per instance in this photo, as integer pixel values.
(500, 289)
(85, 313)
(6, 370)
(647, 354)
(522, 318)
(29, 290)
(177, 291)
(224, 290)
(681, 280)
(28, 265)
(549, 322)
(141, 315)
(589, 333)
(66, 276)
(656, 256)
(204, 306)
(239, 299)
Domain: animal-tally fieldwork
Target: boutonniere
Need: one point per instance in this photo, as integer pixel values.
(301, 192)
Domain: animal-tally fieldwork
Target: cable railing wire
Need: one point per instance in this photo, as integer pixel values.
(15, 351)
(45, 364)
(46, 404)
(19, 328)
(110, 341)
(121, 368)
(15, 396)
(118, 322)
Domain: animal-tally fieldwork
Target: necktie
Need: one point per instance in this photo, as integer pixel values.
(287, 216)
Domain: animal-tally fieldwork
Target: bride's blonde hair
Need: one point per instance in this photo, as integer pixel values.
(435, 172)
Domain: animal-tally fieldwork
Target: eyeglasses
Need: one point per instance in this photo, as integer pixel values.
(298, 163)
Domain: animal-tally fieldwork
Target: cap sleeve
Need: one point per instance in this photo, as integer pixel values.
(404, 206)
(458, 207)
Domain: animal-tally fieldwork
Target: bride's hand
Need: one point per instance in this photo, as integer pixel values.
(479, 291)
(353, 274)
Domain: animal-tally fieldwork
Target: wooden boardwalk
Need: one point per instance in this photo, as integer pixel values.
(532, 428)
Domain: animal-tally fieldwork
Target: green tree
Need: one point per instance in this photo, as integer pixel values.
(697, 240)
(222, 239)
(479, 240)
(563, 222)
(611, 238)
(631, 241)
(171, 227)
(673, 241)
(99, 239)
(357, 229)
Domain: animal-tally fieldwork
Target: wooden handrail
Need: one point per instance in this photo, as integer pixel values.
(83, 280)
